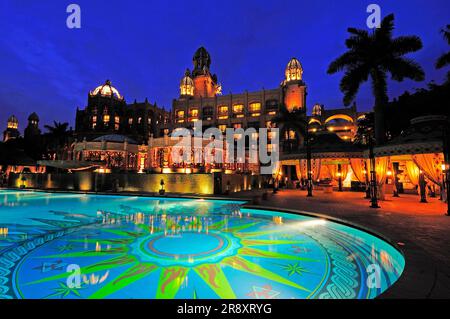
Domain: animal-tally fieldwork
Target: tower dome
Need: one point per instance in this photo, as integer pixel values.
(294, 70)
(106, 90)
(187, 85)
(202, 61)
(33, 117)
(13, 122)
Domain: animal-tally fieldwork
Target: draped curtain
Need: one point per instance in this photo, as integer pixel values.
(298, 170)
(333, 171)
(430, 164)
(358, 168)
(315, 168)
(413, 172)
(381, 168)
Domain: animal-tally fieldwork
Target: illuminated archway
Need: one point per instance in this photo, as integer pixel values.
(339, 116)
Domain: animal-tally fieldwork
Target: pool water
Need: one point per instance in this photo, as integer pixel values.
(62, 245)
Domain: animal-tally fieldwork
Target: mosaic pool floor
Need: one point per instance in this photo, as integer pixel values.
(93, 246)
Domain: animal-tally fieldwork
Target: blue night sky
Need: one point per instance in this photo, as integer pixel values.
(144, 47)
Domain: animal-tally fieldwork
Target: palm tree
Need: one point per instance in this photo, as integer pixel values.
(296, 121)
(58, 134)
(444, 60)
(365, 129)
(291, 121)
(375, 55)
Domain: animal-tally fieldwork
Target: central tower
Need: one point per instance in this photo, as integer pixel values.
(294, 88)
(205, 83)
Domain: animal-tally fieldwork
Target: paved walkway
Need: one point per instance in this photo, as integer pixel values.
(421, 230)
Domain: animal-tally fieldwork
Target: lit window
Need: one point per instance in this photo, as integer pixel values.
(116, 127)
(238, 108)
(291, 135)
(94, 125)
(268, 124)
(94, 119)
(130, 121)
(194, 113)
(139, 120)
(239, 115)
(149, 121)
(222, 127)
(116, 119)
(223, 109)
(254, 107)
(256, 114)
(223, 117)
(180, 114)
(106, 118)
(271, 113)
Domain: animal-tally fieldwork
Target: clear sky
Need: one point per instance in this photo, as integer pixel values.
(144, 47)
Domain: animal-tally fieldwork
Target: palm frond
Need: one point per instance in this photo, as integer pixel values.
(351, 81)
(443, 60)
(406, 44)
(401, 68)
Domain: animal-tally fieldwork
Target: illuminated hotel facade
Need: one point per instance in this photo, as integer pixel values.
(135, 137)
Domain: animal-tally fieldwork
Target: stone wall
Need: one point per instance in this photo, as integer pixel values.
(87, 181)
(204, 184)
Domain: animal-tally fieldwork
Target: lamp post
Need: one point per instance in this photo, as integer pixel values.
(446, 148)
(396, 183)
(309, 185)
(339, 174)
(366, 174)
(422, 187)
(373, 177)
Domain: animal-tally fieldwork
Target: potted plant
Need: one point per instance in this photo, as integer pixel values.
(162, 191)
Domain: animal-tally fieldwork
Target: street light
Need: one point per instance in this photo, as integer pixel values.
(446, 149)
(309, 185)
(339, 175)
(422, 187)
(373, 177)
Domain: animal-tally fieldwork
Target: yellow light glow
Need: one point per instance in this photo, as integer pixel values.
(238, 108)
(166, 170)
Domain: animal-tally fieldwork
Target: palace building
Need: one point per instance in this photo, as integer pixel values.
(135, 137)
(108, 113)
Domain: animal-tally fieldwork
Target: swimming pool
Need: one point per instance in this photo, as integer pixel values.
(63, 245)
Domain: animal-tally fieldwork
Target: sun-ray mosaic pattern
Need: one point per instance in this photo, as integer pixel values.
(93, 247)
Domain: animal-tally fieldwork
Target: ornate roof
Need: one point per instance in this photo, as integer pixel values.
(202, 61)
(187, 84)
(106, 90)
(33, 117)
(13, 119)
(294, 70)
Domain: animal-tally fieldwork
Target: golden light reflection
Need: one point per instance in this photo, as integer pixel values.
(4, 231)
